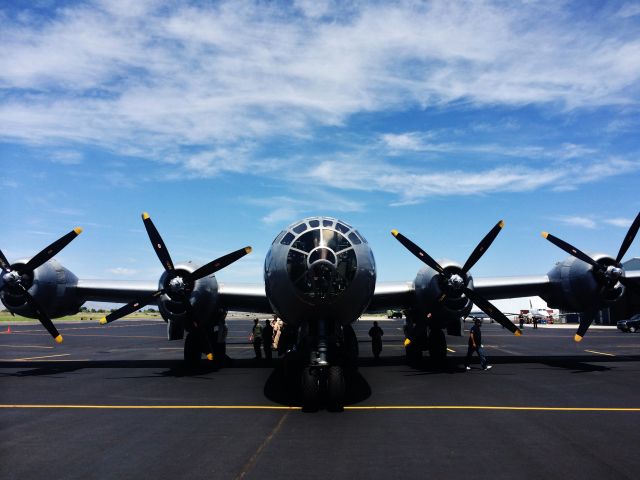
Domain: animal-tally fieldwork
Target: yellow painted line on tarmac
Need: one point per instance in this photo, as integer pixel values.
(158, 407)
(351, 408)
(25, 346)
(600, 353)
(45, 356)
(450, 350)
(105, 335)
(98, 327)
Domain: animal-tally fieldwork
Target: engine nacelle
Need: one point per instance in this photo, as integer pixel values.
(203, 298)
(575, 286)
(429, 288)
(53, 287)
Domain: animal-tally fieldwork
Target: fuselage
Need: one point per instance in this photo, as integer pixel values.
(319, 268)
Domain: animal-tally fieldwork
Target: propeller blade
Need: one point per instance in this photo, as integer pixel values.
(49, 252)
(42, 315)
(4, 263)
(586, 318)
(219, 263)
(130, 308)
(157, 243)
(628, 239)
(488, 308)
(630, 284)
(201, 328)
(482, 247)
(417, 251)
(571, 250)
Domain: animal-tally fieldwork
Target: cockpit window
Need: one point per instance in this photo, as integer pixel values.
(307, 241)
(342, 228)
(300, 228)
(321, 263)
(334, 240)
(327, 223)
(287, 239)
(354, 238)
(314, 223)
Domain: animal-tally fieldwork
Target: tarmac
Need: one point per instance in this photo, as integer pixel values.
(115, 401)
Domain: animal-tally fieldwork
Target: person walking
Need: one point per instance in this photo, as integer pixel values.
(256, 339)
(267, 339)
(521, 318)
(475, 344)
(376, 334)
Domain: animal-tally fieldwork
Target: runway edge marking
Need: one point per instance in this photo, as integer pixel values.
(352, 408)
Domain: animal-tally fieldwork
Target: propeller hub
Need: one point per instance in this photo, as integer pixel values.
(456, 282)
(12, 278)
(613, 272)
(176, 285)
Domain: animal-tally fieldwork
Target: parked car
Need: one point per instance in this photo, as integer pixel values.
(631, 325)
(394, 313)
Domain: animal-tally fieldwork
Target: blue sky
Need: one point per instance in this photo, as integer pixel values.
(226, 121)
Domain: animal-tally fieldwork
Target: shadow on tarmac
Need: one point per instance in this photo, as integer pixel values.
(176, 368)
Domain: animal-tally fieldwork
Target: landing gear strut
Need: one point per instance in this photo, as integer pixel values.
(192, 350)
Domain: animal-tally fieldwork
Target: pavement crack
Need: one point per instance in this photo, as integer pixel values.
(247, 467)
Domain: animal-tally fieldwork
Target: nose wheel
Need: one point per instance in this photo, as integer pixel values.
(319, 382)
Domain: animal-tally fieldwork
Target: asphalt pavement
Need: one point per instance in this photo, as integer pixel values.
(116, 401)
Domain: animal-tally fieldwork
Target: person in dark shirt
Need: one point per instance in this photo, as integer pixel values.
(376, 334)
(475, 344)
(256, 339)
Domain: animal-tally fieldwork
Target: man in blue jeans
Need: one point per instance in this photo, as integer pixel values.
(475, 344)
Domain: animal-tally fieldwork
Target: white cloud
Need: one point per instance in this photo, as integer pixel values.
(577, 221)
(134, 77)
(122, 271)
(619, 222)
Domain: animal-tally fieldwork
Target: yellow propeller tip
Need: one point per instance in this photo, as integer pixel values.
(248, 249)
(78, 230)
(545, 234)
(210, 357)
(407, 342)
(58, 339)
(145, 215)
(501, 223)
(517, 333)
(394, 233)
(103, 321)
(577, 338)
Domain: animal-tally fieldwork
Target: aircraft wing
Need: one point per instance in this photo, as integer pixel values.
(390, 295)
(236, 297)
(115, 291)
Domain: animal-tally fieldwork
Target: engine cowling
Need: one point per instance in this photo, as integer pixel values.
(203, 297)
(429, 289)
(51, 284)
(574, 285)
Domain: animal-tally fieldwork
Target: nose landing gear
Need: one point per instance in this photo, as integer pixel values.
(318, 382)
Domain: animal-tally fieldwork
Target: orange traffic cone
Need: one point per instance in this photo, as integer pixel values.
(8, 329)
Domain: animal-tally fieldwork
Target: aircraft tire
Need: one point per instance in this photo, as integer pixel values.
(310, 386)
(192, 350)
(335, 388)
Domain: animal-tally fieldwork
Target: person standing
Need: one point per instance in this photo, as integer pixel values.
(475, 345)
(535, 322)
(376, 334)
(256, 338)
(267, 339)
